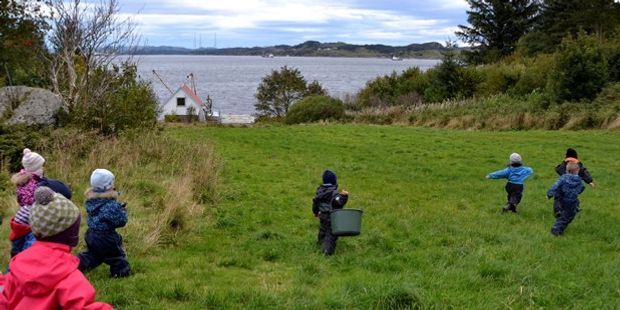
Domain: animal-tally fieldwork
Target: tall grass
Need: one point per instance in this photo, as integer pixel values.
(166, 183)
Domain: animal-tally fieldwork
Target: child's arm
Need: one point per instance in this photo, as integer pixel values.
(341, 199)
(585, 176)
(552, 191)
(115, 214)
(499, 174)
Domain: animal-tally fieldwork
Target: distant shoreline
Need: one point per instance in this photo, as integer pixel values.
(431, 50)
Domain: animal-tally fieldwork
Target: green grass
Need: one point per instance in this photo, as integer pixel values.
(432, 235)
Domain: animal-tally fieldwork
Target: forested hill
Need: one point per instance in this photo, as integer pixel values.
(311, 48)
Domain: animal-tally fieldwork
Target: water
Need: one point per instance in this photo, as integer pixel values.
(231, 81)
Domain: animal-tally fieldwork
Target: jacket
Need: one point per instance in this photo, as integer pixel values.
(104, 211)
(583, 171)
(46, 276)
(327, 198)
(567, 188)
(515, 175)
(25, 185)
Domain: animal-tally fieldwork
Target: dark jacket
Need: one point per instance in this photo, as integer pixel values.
(567, 188)
(583, 171)
(104, 212)
(327, 198)
(57, 186)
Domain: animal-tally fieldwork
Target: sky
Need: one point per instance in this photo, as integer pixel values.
(248, 23)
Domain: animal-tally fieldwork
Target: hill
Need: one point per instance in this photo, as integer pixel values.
(311, 48)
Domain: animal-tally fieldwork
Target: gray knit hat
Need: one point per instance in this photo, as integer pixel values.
(51, 213)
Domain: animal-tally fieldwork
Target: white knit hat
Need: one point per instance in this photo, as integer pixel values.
(101, 180)
(515, 158)
(33, 162)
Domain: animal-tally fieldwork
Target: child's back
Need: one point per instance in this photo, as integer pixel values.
(566, 191)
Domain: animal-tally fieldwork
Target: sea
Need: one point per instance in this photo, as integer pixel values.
(231, 81)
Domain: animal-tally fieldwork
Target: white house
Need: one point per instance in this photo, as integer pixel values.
(185, 104)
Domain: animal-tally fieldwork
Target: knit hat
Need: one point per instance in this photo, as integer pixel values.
(329, 177)
(570, 152)
(515, 158)
(51, 213)
(33, 162)
(57, 186)
(101, 180)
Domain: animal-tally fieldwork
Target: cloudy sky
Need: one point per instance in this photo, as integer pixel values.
(247, 23)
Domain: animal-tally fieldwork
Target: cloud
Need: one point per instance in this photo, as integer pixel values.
(388, 22)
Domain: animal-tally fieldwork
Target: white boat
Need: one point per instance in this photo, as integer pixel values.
(396, 58)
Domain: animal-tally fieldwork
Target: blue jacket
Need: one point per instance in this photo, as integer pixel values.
(104, 211)
(567, 188)
(515, 175)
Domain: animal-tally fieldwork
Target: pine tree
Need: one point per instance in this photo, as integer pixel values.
(496, 26)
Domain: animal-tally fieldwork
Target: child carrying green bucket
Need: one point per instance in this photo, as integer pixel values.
(326, 199)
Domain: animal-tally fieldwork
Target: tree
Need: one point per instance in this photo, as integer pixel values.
(84, 39)
(22, 31)
(280, 89)
(496, 26)
(580, 71)
(560, 18)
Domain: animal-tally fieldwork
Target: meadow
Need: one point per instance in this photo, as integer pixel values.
(242, 234)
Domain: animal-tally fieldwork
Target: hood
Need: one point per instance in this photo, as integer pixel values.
(90, 194)
(21, 177)
(39, 268)
(325, 191)
(571, 180)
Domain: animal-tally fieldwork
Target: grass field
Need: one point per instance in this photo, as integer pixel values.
(433, 235)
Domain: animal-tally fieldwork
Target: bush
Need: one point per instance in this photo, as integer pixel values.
(13, 140)
(580, 71)
(279, 90)
(130, 103)
(315, 108)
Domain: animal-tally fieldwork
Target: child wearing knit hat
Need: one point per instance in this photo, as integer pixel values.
(105, 214)
(26, 182)
(516, 173)
(46, 275)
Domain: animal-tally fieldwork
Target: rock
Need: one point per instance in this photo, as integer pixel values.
(27, 105)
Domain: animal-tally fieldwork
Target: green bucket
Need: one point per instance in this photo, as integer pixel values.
(346, 222)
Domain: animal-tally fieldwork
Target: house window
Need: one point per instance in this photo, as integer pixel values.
(180, 102)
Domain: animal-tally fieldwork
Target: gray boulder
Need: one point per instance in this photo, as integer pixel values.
(27, 105)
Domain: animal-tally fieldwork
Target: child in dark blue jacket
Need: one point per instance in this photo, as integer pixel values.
(567, 189)
(326, 199)
(105, 214)
(584, 174)
(516, 173)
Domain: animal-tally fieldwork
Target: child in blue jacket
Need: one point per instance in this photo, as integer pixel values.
(567, 189)
(516, 173)
(105, 214)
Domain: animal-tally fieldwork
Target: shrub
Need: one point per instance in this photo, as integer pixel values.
(279, 90)
(131, 103)
(315, 108)
(580, 71)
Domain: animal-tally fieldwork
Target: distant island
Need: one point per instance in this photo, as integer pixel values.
(309, 48)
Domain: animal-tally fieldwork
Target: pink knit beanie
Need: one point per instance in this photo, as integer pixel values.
(33, 162)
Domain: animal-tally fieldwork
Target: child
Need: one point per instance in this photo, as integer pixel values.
(26, 182)
(105, 214)
(46, 275)
(516, 173)
(571, 156)
(566, 190)
(326, 199)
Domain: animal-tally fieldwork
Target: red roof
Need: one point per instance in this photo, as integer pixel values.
(191, 94)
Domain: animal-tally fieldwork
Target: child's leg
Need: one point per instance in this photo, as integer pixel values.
(328, 245)
(90, 259)
(321, 234)
(566, 217)
(557, 207)
(515, 193)
(115, 256)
